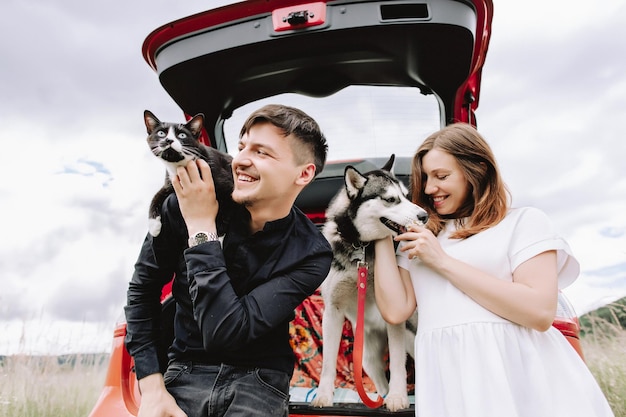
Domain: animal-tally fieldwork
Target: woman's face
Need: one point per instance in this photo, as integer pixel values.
(445, 184)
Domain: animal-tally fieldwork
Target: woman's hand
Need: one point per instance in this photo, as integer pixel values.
(196, 196)
(422, 244)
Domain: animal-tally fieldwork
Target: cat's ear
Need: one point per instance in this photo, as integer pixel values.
(151, 121)
(195, 125)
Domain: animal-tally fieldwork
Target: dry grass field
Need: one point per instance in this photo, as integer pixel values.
(606, 357)
(69, 387)
(33, 386)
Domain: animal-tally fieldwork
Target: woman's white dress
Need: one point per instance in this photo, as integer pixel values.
(472, 363)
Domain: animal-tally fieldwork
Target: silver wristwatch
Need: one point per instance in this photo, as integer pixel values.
(202, 237)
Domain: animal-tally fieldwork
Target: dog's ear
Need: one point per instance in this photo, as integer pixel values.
(354, 180)
(390, 164)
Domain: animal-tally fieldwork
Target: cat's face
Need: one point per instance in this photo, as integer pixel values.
(174, 143)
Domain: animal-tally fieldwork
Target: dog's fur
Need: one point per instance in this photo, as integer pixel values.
(353, 221)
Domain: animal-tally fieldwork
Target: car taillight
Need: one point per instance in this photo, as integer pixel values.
(566, 321)
(317, 217)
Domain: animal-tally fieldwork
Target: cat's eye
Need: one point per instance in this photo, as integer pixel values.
(161, 134)
(182, 135)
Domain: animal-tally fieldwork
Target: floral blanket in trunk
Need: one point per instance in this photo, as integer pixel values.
(306, 340)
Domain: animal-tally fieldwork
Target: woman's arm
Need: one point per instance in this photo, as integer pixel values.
(529, 300)
(393, 288)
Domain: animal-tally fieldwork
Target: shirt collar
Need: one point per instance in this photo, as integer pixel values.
(279, 224)
(271, 226)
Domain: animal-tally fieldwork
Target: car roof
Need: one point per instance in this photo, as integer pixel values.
(218, 60)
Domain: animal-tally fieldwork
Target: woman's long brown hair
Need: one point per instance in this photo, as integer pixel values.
(488, 198)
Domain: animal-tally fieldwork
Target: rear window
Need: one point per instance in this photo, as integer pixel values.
(359, 121)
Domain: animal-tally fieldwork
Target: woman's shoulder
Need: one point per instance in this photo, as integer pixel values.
(528, 224)
(529, 216)
(534, 233)
(526, 211)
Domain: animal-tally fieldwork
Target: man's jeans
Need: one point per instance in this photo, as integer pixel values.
(223, 390)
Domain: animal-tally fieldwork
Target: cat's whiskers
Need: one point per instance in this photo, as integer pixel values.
(192, 152)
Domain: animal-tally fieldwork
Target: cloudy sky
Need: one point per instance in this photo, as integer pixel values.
(77, 176)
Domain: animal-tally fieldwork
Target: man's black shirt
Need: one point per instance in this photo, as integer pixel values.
(233, 305)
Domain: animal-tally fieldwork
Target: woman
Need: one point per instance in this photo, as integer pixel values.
(485, 277)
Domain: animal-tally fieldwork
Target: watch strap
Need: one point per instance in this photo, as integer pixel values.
(202, 237)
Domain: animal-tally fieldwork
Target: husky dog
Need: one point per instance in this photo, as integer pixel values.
(371, 206)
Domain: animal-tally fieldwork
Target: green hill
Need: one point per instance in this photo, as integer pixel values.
(607, 318)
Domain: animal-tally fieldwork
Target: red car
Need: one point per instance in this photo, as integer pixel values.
(378, 75)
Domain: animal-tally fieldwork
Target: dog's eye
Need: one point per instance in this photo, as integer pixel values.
(390, 199)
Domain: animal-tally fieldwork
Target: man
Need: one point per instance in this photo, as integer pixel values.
(231, 354)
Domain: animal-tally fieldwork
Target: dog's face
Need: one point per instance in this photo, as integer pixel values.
(378, 204)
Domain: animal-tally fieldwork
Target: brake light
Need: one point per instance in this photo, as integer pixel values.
(317, 217)
(566, 321)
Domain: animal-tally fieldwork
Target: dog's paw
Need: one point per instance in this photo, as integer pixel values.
(154, 226)
(396, 402)
(322, 399)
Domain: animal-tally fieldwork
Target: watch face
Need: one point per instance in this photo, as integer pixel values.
(201, 237)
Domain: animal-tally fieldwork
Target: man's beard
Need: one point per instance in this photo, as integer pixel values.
(246, 202)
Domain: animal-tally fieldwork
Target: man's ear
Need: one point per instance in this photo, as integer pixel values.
(306, 175)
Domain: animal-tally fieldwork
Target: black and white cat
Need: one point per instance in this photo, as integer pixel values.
(176, 144)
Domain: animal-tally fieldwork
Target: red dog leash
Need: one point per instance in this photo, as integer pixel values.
(357, 353)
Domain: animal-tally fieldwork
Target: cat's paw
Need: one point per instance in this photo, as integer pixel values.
(154, 226)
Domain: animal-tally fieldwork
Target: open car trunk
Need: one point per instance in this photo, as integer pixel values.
(216, 61)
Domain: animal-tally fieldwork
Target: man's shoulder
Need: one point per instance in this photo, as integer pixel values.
(303, 222)
(306, 232)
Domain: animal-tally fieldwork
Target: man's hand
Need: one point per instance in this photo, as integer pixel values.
(196, 196)
(155, 400)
